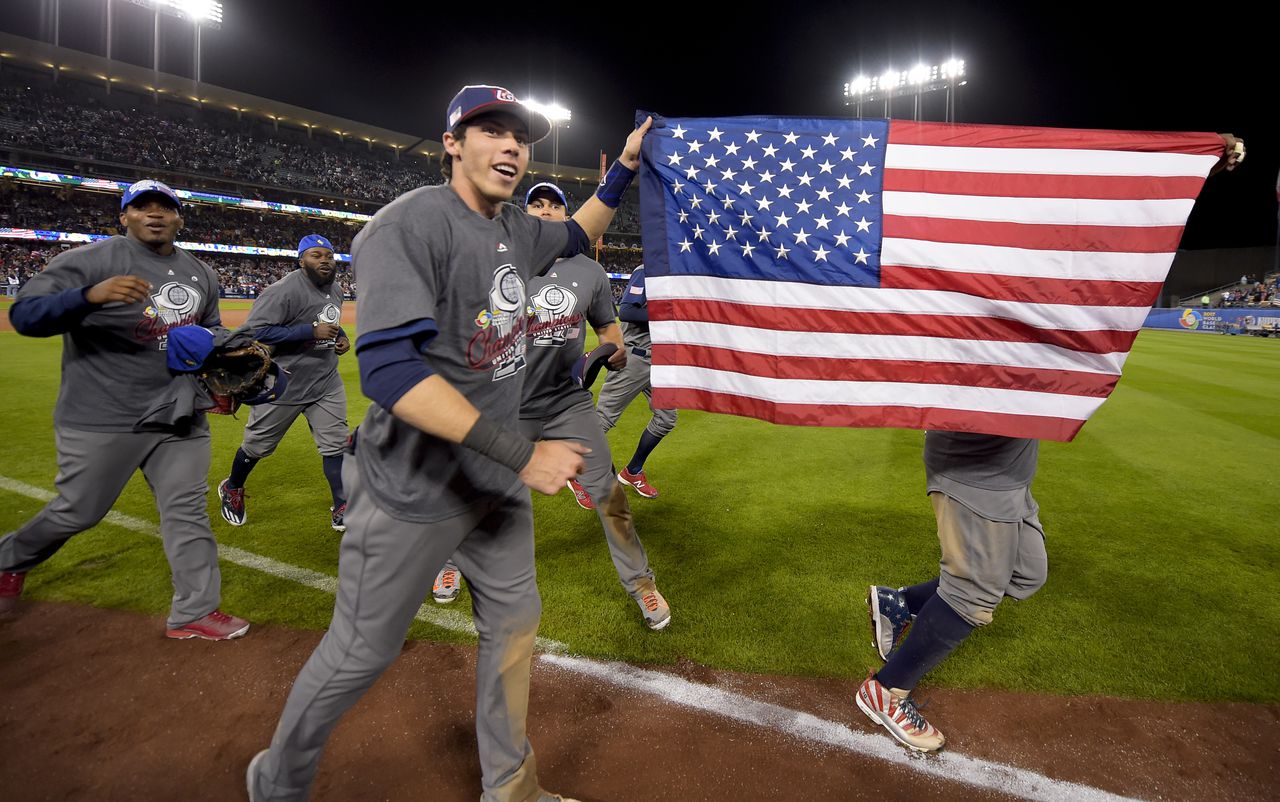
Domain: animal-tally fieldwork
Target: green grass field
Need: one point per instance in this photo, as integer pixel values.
(1161, 517)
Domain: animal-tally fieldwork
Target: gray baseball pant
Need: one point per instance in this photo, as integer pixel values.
(386, 568)
(984, 560)
(327, 419)
(580, 423)
(620, 389)
(93, 468)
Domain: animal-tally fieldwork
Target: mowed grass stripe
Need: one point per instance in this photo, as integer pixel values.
(1160, 518)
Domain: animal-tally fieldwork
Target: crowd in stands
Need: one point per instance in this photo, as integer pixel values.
(1251, 293)
(82, 212)
(75, 123)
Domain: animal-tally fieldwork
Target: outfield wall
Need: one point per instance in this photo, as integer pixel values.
(1208, 320)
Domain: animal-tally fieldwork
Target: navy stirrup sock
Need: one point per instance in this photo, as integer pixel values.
(936, 633)
(333, 472)
(240, 468)
(917, 595)
(648, 442)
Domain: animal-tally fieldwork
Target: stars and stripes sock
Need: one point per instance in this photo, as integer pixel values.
(240, 468)
(648, 442)
(917, 595)
(936, 633)
(333, 473)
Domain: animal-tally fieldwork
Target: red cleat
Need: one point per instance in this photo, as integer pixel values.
(639, 482)
(214, 626)
(581, 495)
(10, 590)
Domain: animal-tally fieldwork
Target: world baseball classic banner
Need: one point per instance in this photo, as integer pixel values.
(831, 272)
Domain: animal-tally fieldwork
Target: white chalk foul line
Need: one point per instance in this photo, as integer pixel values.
(429, 612)
(945, 765)
(948, 765)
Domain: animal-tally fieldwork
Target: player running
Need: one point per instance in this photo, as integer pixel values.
(621, 388)
(439, 467)
(114, 302)
(298, 316)
(554, 406)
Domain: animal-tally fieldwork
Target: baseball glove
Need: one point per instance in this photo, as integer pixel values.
(244, 375)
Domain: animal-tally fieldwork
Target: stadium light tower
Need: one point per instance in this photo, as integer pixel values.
(201, 13)
(922, 78)
(558, 115)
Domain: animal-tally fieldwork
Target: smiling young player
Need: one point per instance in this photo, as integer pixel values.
(439, 466)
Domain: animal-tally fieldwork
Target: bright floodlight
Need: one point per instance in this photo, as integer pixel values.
(555, 113)
(195, 10)
(889, 80)
(858, 86)
(953, 68)
(919, 74)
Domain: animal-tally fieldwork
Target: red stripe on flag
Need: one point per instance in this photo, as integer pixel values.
(1012, 136)
(1041, 237)
(1021, 185)
(1035, 426)
(812, 368)
(1025, 289)
(839, 321)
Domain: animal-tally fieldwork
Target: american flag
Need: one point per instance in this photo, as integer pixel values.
(829, 272)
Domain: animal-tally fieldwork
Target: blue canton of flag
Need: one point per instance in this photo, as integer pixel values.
(765, 198)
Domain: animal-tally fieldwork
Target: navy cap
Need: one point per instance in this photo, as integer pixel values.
(545, 186)
(188, 347)
(587, 367)
(312, 241)
(146, 186)
(475, 100)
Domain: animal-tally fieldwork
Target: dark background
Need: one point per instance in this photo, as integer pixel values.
(1120, 65)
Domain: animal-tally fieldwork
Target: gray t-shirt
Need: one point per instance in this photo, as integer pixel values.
(571, 294)
(428, 255)
(312, 364)
(989, 474)
(113, 360)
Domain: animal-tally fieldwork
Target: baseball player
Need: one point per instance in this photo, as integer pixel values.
(621, 387)
(993, 546)
(113, 302)
(298, 316)
(439, 466)
(555, 407)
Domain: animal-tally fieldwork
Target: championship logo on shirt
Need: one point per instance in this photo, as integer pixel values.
(174, 304)
(554, 319)
(500, 343)
(329, 314)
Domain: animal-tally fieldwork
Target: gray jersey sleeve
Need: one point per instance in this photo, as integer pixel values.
(274, 307)
(65, 271)
(396, 271)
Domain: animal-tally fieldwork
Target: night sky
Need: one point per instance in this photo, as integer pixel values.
(1116, 65)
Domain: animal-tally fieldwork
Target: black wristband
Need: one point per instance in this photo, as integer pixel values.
(501, 445)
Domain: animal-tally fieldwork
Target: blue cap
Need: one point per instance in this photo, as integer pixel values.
(588, 366)
(274, 387)
(145, 186)
(475, 100)
(312, 241)
(188, 348)
(545, 186)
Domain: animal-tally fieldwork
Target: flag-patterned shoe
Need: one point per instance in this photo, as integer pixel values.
(890, 618)
(897, 712)
(10, 590)
(581, 495)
